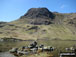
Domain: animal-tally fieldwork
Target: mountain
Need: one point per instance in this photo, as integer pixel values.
(38, 16)
(40, 23)
(39, 13)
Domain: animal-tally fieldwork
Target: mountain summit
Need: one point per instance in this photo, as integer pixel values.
(38, 16)
(39, 13)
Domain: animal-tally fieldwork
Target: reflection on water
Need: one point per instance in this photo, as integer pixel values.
(6, 54)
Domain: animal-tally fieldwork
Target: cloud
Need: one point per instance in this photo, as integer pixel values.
(63, 6)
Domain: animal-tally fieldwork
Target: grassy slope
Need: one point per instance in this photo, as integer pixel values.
(52, 31)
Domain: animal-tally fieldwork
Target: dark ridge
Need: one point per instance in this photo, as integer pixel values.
(3, 22)
(39, 13)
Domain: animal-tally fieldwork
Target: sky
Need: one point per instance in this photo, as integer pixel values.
(11, 10)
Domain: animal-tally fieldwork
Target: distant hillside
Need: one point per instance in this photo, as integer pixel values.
(40, 23)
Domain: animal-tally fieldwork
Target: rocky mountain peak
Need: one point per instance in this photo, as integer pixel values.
(39, 13)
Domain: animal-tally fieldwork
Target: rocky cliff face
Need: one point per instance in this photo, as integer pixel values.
(39, 16)
(34, 13)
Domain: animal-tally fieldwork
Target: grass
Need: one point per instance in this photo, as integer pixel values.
(53, 31)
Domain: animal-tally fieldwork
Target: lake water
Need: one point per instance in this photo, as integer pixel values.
(6, 54)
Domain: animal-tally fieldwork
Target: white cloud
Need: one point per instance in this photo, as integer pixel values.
(63, 6)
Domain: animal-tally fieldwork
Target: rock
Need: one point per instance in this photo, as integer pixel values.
(39, 16)
(39, 13)
(33, 27)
